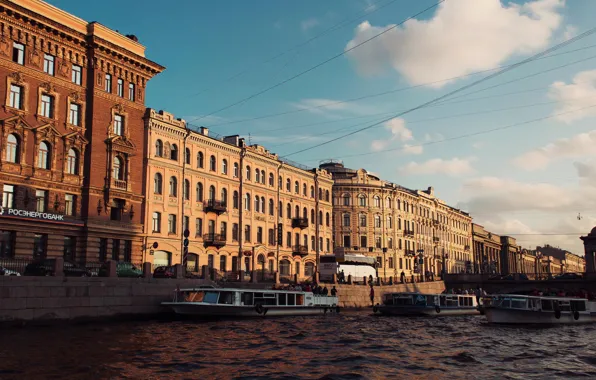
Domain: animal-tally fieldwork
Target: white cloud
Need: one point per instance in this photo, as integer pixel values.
(333, 108)
(463, 36)
(412, 149)
(578, 94)
(453, 167)
(433, 137)
(309, 24)
(399, 132)
(570, 32)
(478, 145)
(580, 145)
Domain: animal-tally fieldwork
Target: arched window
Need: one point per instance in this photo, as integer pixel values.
(377, 221)
(280, 209)
(263, 205)
(257, 175)
(200, 160)
(263, 177)
(159, 148)
(321, 218)
(247, 173)
(326, 195)
(257, 208)
(236, 170)
(173, 187)
(224, 167)
(362, 220)
(284, 267)
(312, 216)
(304, 189)
(346, 221)
(72, 162)
(186, 190)
(43, 155)
(327, 219)
(118, 170)
(187, 156)
(236, 201)
(212, 164)
(389, 221)
(346, 199)
(224, 196)
(247, 202)
(199, 192)
(279, 182)
(377, 201)
(12, 149)
(271, 183)
(174, 152)
(304, 213)
(288, 184)
(362, 200)
(388, 202)
(289, 211)
(297, 212)
(211, 192)
(157, 183)
(271, 211)
(312, 192)
(309, 269)
(296, 187)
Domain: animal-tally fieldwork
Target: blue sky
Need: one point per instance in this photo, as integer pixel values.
(511, 180)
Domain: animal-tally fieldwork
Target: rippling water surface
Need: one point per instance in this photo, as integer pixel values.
(352, 345)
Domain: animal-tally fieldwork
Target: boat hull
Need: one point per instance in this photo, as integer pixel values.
(426, 311)
(246, 311)
(509, 316)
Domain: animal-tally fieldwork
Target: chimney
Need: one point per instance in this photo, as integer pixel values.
(205, 131)
(430, 191)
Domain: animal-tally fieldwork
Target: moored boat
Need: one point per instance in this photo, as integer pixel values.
(427, 304)
(522, 309)
(250, 302)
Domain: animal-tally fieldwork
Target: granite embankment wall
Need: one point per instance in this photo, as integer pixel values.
(46, 299)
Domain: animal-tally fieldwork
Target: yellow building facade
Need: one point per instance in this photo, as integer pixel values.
(235, 201)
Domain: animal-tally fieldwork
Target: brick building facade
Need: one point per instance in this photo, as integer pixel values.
(72, 90)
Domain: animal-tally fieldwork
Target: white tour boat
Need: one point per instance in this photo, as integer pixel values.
(427, 304)
(521, 309)
(250, 302)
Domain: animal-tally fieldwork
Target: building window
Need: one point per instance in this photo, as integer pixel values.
(76, 74)
(260, 235)
(235, 170)
(70, 246)
(390, 243)
(48, 64)
(127, 251)
(377, 201)
(199, 226)
(377, 221)
(284, 267)
(288, 239)
(289, 211)
(8, 196)
(327, 221)
(346, 221)
(40, 200)
(224, 167)
(43, 155)
(185, 223)
(186, 190)
(157, 183)
(326, 195)
(200, 160)
(271, 179)
(263, 177)
(212, 163)
(116, 249)
(174, 152)
(257, 208)
(173, 187)
(118, 121)
(74, 115)
(16, 97)
(328, 243)
(363, 242)
(257, 175)
(172, 224)
(117, 210)
(389, 221)
(347, 241)
(288, 185)
(304, 190)
(247, 173)
(211, 192)
(40, 246)
(271, 208)
(346, 200)
(47, 106)
(187, 156)
(235, 232)
(118, 169)
(271, 236)
(103, 249)
(296, 187)
(391, 263)
(156, 222)
(120, 88)
(362, 220)
(247, 202)
(235, 201)
(362, 200)
(378, 242)
(69, 208)
(158, 148)
(108, 83)
(12, 149)
(7, 239)
(18, 53)
(223, 230)
(131, 92)
(247, 233)
(224, 196)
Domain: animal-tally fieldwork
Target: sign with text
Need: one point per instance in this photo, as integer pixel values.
(45, 216)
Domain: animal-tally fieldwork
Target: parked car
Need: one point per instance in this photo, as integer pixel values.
(8, 272)
(164, 272)
(45, 267)
(123, 269)
(568, 276)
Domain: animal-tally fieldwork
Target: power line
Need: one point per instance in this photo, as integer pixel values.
(463, 88)
(315, 66)
(333, 28)
(466, 135)
(400, 89)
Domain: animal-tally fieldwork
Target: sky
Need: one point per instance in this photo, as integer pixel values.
(517, 150)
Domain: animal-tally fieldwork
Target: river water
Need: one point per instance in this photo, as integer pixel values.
(351, 345)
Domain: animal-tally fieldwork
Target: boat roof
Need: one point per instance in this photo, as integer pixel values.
(542, 297)
(428, 294)
(242, 290)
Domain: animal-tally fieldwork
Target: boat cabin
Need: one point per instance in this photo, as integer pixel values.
(249, 297)
(417, 299)
(507, 301)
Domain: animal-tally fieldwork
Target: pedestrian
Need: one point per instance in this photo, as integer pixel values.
(333, 292)
(372, 295)
(325, 291)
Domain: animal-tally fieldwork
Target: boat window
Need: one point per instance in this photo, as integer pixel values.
(451, 301)
(430, 300)
(442, 300)
(465, 301)
(291, 299)
(210, 297)
(194, 296)
(247, 298)
(299, 299)
(400, 300)
(564, 306)
(578, 305)
(547, 304)
(518, 303)
(420, 300)
(226, 298)
(281, 299)
(506, 302)
(265, 298)
(534, 303)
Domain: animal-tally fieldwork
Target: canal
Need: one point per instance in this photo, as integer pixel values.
(352, 345)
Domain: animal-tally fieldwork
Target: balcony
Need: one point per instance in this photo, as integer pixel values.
(213, 205)
(300, 250)
(214, 240)
(120, 184)
(301, 223)
(409, 233)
